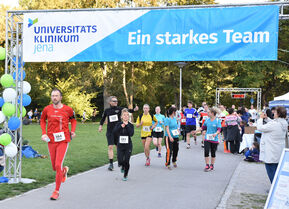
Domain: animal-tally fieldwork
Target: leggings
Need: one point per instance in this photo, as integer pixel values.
(57, 153)
(123, 156)
(172, 149)
(209, 146)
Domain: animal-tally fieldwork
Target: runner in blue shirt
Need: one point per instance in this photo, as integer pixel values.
(212, 128)
(191, 114)
(172, 140)
(158, 131)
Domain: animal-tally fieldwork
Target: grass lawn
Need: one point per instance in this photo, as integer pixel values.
(88, 150)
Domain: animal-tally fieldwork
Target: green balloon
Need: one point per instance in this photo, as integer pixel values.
(8, 109)
(5, 139)
(23, 112)
(6, 80)
(2, 53)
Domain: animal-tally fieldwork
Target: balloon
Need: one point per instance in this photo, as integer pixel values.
(19, 62)
(1, 101)
(13, 123)
(23, 112)
(6, 80)
(26, 100)
(9, 95)
(5, 139)
(11, 150)
(2, 53)
(26, 87)
(19, 75)
(8, 109)
(2, 117)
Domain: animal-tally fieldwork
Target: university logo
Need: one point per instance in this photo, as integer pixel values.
(32, 22)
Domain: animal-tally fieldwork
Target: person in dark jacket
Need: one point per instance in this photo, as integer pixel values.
(113, 115)
(123, 131)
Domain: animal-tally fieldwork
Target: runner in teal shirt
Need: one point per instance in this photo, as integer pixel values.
(158, 131)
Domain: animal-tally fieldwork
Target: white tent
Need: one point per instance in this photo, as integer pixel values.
(282, 97)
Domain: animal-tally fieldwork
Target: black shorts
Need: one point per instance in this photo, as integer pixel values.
(110, 139)
(190, 128)
(144, 138)
(158, 134)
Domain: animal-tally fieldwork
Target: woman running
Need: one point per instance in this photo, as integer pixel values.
(212, 128)
(158, 131)
(123, 131)
(145, 121)
(172, 140)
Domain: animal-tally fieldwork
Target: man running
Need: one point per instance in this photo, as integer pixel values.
(113, 114)
(57, 135)
(158, 131)
(191, 114)
(145, 121)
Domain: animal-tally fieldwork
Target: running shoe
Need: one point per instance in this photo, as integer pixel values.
(65, 171)
(110, 167)
(124, 178)
(147, 162)
(227, 151)
(54, 195)
(207, 168)
(211, 167)
(175, 164)
(169, 167)
(159, 155)
(188, 146)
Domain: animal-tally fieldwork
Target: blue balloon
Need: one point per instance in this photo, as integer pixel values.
(19, 75)
(13, 123)
(19, 62)
(1, 101)
(26, 100)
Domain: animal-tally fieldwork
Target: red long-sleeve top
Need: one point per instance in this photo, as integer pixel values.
(58, 121)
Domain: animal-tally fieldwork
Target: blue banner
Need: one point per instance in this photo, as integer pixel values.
(208, 34)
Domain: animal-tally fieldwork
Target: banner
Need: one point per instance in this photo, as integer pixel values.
(206, 34)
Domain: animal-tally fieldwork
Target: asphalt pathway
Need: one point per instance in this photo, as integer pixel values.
(154, 187)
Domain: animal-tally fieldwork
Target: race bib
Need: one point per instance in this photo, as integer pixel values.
(123, 139)
(189, 115)
(158, 129)
(146, 128)
(58, 137)
(210, 137)
(183, 120)
(175, 132)
(205, 117)
(113, 118)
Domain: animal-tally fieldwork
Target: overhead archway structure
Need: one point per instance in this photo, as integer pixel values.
(137, 34)
(240, 90)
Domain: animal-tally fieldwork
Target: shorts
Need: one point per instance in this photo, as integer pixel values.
(158, 134)
(190, 128)
(144, 138)
(110, 139)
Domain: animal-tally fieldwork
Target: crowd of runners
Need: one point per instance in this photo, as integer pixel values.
(215, 125)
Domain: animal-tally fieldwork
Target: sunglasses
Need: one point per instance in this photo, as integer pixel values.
(114, 101)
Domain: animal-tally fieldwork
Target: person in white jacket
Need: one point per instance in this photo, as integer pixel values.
(273, 140)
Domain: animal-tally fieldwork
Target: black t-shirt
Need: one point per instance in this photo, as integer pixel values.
(128, 130)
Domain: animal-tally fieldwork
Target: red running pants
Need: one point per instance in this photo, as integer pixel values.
(57, 153)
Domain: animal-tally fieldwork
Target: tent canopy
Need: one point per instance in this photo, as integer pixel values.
(282, 97)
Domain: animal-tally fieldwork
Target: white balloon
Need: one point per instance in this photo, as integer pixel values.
(11, 150)
(26, 87)
(2, 117)
(9, 95)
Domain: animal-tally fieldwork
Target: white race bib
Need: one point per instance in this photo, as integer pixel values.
(205, 117)
(189, 115)
(210, 137)
(58, 137)
(146, 128)
(183, 120)
(113, 118)
(123, 139)
(175, 132)
(158, 129)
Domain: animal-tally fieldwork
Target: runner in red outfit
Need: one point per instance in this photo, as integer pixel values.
(57, 135)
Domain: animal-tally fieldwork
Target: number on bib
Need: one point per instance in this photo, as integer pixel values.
(183, 120)
(146, 128)
(210, 137)
(158, 129)
(123, 139)
(175, 132)
(113, 118)
(58, 137)
(189, 115)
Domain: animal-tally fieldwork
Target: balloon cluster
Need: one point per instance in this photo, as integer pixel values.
(7, 103)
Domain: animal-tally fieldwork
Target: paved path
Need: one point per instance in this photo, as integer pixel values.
(154, 187)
